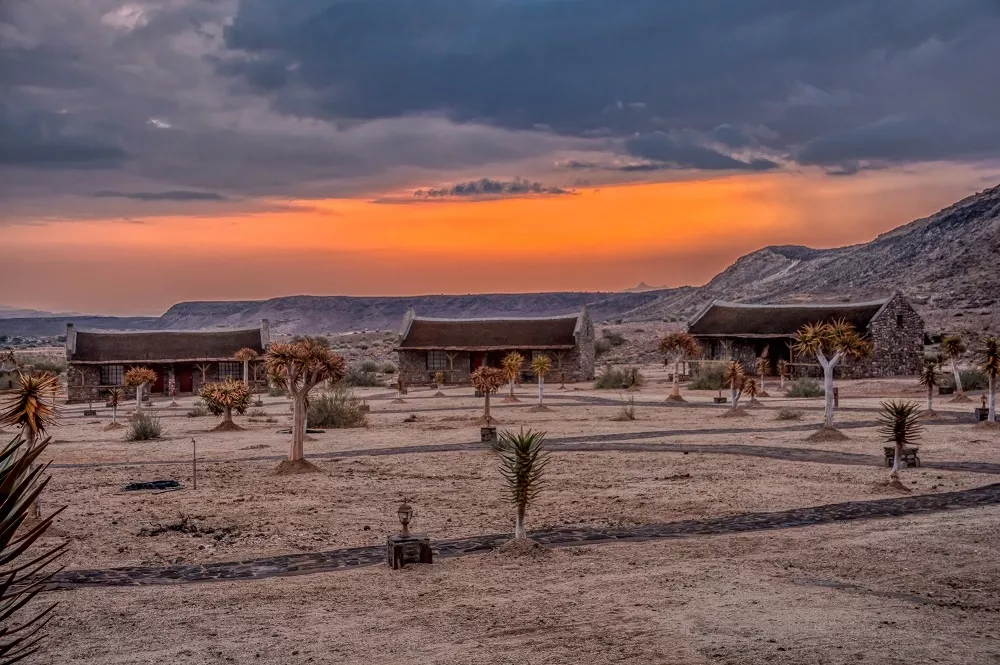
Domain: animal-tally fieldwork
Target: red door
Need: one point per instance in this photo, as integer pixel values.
(478, 360)
(185, 379)
(158, 388)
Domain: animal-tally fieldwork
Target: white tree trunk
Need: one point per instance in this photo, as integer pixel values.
(827, 366)
(930, 398)
(541, 383)
(519, 531)
(139, 390)
(488, 419)
(897, 462)
(762, 389)
(114, 415)
(246, 373)
(958, 377)
(676, 392)
(734, 393)
(298, 427)
(512, 388)
(993, 399)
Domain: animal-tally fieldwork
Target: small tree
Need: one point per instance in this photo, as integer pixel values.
(762, 367)
(31, 407)
(115, 397)
(522, 462)
(203, 368)
(301, 366)
(929, 379)
(541, 365)
(900, 424)
(487, 380)
(245, 356)
(140, 377)
(989, 362)
(734, 376)
(751, 389)
(782, 368)
(224, 397)
(511, 365)
(953, 347)
(677, 347)
(831, 343)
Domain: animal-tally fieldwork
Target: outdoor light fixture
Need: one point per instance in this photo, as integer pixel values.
(405, 512)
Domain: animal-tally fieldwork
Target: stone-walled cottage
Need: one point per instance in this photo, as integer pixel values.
(98, 360)
(744, 332)
(456, 347)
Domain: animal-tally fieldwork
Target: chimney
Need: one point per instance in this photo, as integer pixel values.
(70, 341)
(265, 333)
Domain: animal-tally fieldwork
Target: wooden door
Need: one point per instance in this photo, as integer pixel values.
(158, 385)
(185, 379)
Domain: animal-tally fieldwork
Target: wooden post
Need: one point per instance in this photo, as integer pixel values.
(194, 463)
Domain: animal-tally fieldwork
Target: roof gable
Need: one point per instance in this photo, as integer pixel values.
(740, 319)
(484, 334)
(162, 345)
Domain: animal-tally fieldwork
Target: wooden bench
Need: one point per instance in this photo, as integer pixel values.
(910, 456)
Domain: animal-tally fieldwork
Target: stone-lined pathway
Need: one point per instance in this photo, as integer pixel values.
(343, 559)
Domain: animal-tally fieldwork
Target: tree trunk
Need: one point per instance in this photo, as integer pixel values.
(519, 531)
(541, 383)
(734, 393)
(298, 427)
(512, 388)
(958, 377)
(246, 373)
(993, 399)
(827, 366)
(114, 414)
(676, 392)
(781, 382)
(930, 398)
(897, 461)
(139, 390)
(227, 415)
(36, 506)
(488, 420)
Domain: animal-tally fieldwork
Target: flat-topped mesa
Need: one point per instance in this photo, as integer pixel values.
(457, 347)
(182, 359)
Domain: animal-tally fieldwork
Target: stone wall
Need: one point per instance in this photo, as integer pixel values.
(83, 382)
(897, 337)
(585, 355)
(576, 366)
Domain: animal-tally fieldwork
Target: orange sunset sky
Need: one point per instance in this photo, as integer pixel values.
(607, 238)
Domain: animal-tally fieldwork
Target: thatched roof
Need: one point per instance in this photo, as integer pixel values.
(499, 334)
(727, 319)
(161, 345)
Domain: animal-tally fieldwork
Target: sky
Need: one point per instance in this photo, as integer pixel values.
(240, 149)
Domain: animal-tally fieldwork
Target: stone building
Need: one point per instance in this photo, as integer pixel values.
(744, 332)
(98, 360)
(456, 347)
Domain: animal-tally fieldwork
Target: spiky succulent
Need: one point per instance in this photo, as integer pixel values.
(838, 337)
(488, 379)
(929, 373)
(762, 366)
(989, 357)
(522, 462)
(223, 396)
(304, 364)
(734, 374)
(138, 376)
(679, 345)
(31, 405)
(899, 423)
(751, 387)
(541, 365)
(245, 354)
(512, 364)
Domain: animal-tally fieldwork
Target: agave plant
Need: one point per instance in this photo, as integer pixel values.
(115, 397)
(676, 347)
(224, 397)
(929, 378)
(751, 388)
(734, 375)
(782, 368)
(953, 347)
(487, 380)
(989, 359)
(899, 423)
(540, 366)
(31, 408)
(139, 377)
(762, 367)
(20, 581)
(522, 463)
(830, 343)
(511, 365)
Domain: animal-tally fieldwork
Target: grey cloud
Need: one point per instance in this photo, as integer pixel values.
(684, 151)
(171, 195)
(490, 187)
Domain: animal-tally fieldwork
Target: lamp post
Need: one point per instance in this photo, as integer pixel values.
(405, 512)
(406, 547)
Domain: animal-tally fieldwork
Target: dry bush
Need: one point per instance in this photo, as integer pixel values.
(143, 427)
(789, 414)
(805, 387)
(337, 410)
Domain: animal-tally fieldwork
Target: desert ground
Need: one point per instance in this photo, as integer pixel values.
(906, 589)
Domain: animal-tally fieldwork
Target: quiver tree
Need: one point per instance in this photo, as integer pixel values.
(830, 343)
(734, 375)
(511, 365)
(203, 368)
(762, 367)
(300, 366)
(31, 408)
(929, 379)
(22, 577)
(899, 423)
(751, 388)
(522, 464)
(487, 380)
(954, 348)
(115, 398)
(676, 348)
(782, 368)
(540, 366)
(224, 397)
(245, 356)
(989, 362)
(139, 377)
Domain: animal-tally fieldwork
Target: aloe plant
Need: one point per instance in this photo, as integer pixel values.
(541, 365)
(139, 377)
(487, 380)
(900, 424)
(830, 343)
(22, 575)
(522, 464)
(929, 378)
(677, 346)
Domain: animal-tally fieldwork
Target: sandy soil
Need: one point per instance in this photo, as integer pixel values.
(843, 593)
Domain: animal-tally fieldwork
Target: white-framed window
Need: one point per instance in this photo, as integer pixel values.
(112, 375)
(437, 361)
(231, 371)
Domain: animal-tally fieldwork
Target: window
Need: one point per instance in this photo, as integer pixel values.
(231, 371)
(899, 320)
(437, 361)
(112, 375)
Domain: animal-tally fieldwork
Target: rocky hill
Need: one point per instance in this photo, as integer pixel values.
(948, 264)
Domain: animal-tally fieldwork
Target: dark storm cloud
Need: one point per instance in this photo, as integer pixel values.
(684, 151)
(171, 195)
(36, 138)
(490, 187)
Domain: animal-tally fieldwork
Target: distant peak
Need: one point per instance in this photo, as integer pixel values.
(641, 287)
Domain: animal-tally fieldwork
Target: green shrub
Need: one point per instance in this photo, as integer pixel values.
(339, 409)
(972, 379)
(369, 366)
(805, 387)
(789, 414)
(388, 368)
(357, 377)
(602, 346)
(44, 364)
(143, 427)
(618, 378)
(708, 377)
